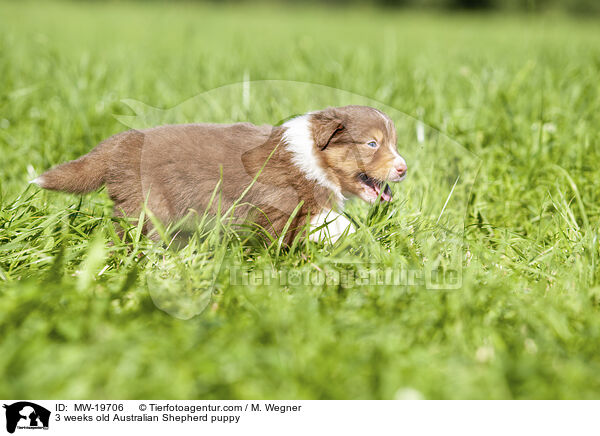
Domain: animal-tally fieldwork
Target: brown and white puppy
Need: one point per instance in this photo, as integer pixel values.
(261, 173)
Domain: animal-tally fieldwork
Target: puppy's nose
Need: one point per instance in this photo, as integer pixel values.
(401, 169)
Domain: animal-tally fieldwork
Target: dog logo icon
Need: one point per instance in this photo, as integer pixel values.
(26, 415)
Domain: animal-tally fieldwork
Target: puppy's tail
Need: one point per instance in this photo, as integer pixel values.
(82, 175)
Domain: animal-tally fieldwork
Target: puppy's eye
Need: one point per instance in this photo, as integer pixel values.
(372, 144)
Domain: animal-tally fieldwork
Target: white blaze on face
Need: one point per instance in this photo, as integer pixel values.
(398, 162)
(333, 225)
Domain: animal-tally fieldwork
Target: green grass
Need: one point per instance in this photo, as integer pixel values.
(521, 92)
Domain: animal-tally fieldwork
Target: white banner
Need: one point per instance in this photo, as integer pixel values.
(24, 418)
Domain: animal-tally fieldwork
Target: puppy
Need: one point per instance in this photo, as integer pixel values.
(277, 177)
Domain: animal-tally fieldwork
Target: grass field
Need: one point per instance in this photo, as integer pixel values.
(520, 92)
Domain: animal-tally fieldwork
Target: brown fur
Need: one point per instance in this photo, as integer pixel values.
(176, 168)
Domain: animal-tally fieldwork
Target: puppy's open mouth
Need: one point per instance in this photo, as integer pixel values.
(375, 188)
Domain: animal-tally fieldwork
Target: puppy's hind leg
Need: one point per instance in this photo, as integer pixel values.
(124, 212)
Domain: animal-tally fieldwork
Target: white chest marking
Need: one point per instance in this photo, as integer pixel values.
(331, 225)
(299, 141)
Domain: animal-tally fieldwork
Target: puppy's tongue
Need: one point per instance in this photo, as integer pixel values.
(386, 194)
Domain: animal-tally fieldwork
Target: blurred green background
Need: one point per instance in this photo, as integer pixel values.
(570, 6)
(517, 86)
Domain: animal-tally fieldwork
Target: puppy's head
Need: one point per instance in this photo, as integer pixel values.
(356, 147)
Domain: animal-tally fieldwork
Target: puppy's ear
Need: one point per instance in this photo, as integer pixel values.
(325, 128)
